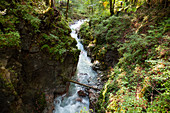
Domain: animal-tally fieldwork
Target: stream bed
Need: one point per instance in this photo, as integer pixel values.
(73, 102)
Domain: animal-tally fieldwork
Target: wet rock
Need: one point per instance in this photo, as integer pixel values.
(85, 74)
(34, 48)
(111, 57)
(96, 65)
(82, 74)
(90, 48)
(77, 30)
(79, 99)
(81, 93)
(93, 96)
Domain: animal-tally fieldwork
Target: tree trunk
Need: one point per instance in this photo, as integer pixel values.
(135, 2)
(52, 3)
(83, 84)
(67, 9)
(113, 5)
(111, 8)
(68, 80)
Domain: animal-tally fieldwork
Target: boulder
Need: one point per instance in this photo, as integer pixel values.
(79, 99)
(81, 93)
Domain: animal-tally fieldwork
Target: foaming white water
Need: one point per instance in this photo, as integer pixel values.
(72, 103)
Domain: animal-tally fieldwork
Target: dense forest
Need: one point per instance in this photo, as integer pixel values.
(127, 41)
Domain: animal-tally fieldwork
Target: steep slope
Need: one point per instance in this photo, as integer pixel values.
(139, 80)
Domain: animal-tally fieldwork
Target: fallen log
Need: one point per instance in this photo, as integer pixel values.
(82, 84)
(68, 80)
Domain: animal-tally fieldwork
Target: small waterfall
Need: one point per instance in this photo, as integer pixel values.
(73, 103)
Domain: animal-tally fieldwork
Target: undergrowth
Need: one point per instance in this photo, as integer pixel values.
(140, 80)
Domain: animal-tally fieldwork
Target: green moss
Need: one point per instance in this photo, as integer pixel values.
(11, 39)
(56, 40)
(7, 86)
(57, 45)
(62, 27)
(9, 36)
(85, 34)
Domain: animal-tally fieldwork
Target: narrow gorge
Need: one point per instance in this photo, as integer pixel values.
(77, 99)
(84, 56)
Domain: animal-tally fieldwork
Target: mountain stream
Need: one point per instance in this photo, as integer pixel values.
(72, 102)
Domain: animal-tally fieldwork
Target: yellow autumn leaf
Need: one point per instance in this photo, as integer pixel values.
(105, 3)
(100, 2)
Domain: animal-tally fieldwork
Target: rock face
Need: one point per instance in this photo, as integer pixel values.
(8, 78)
(30, 76)
(110, 58)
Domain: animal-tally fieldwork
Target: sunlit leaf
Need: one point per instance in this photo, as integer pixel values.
(105, 3)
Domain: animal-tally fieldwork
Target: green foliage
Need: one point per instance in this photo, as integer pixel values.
(85, 34)
(77, 9)
(160, 85)
(35, 21)
(9, 36)
(11, 39)
(84, 110)
(58, 45)
(140, 80)
(104, 32)
(131, 94)
(28, 13)
(62, 27)
(56, 41)
(55, 46)
(140, 47)
(4, 4)
(138, 90)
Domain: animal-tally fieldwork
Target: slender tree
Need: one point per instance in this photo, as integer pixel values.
(67, 9)
(111, 8)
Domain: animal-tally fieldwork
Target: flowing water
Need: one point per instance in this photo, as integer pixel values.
(72, 103)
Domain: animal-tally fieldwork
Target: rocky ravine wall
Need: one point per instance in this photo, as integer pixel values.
(29, 77)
